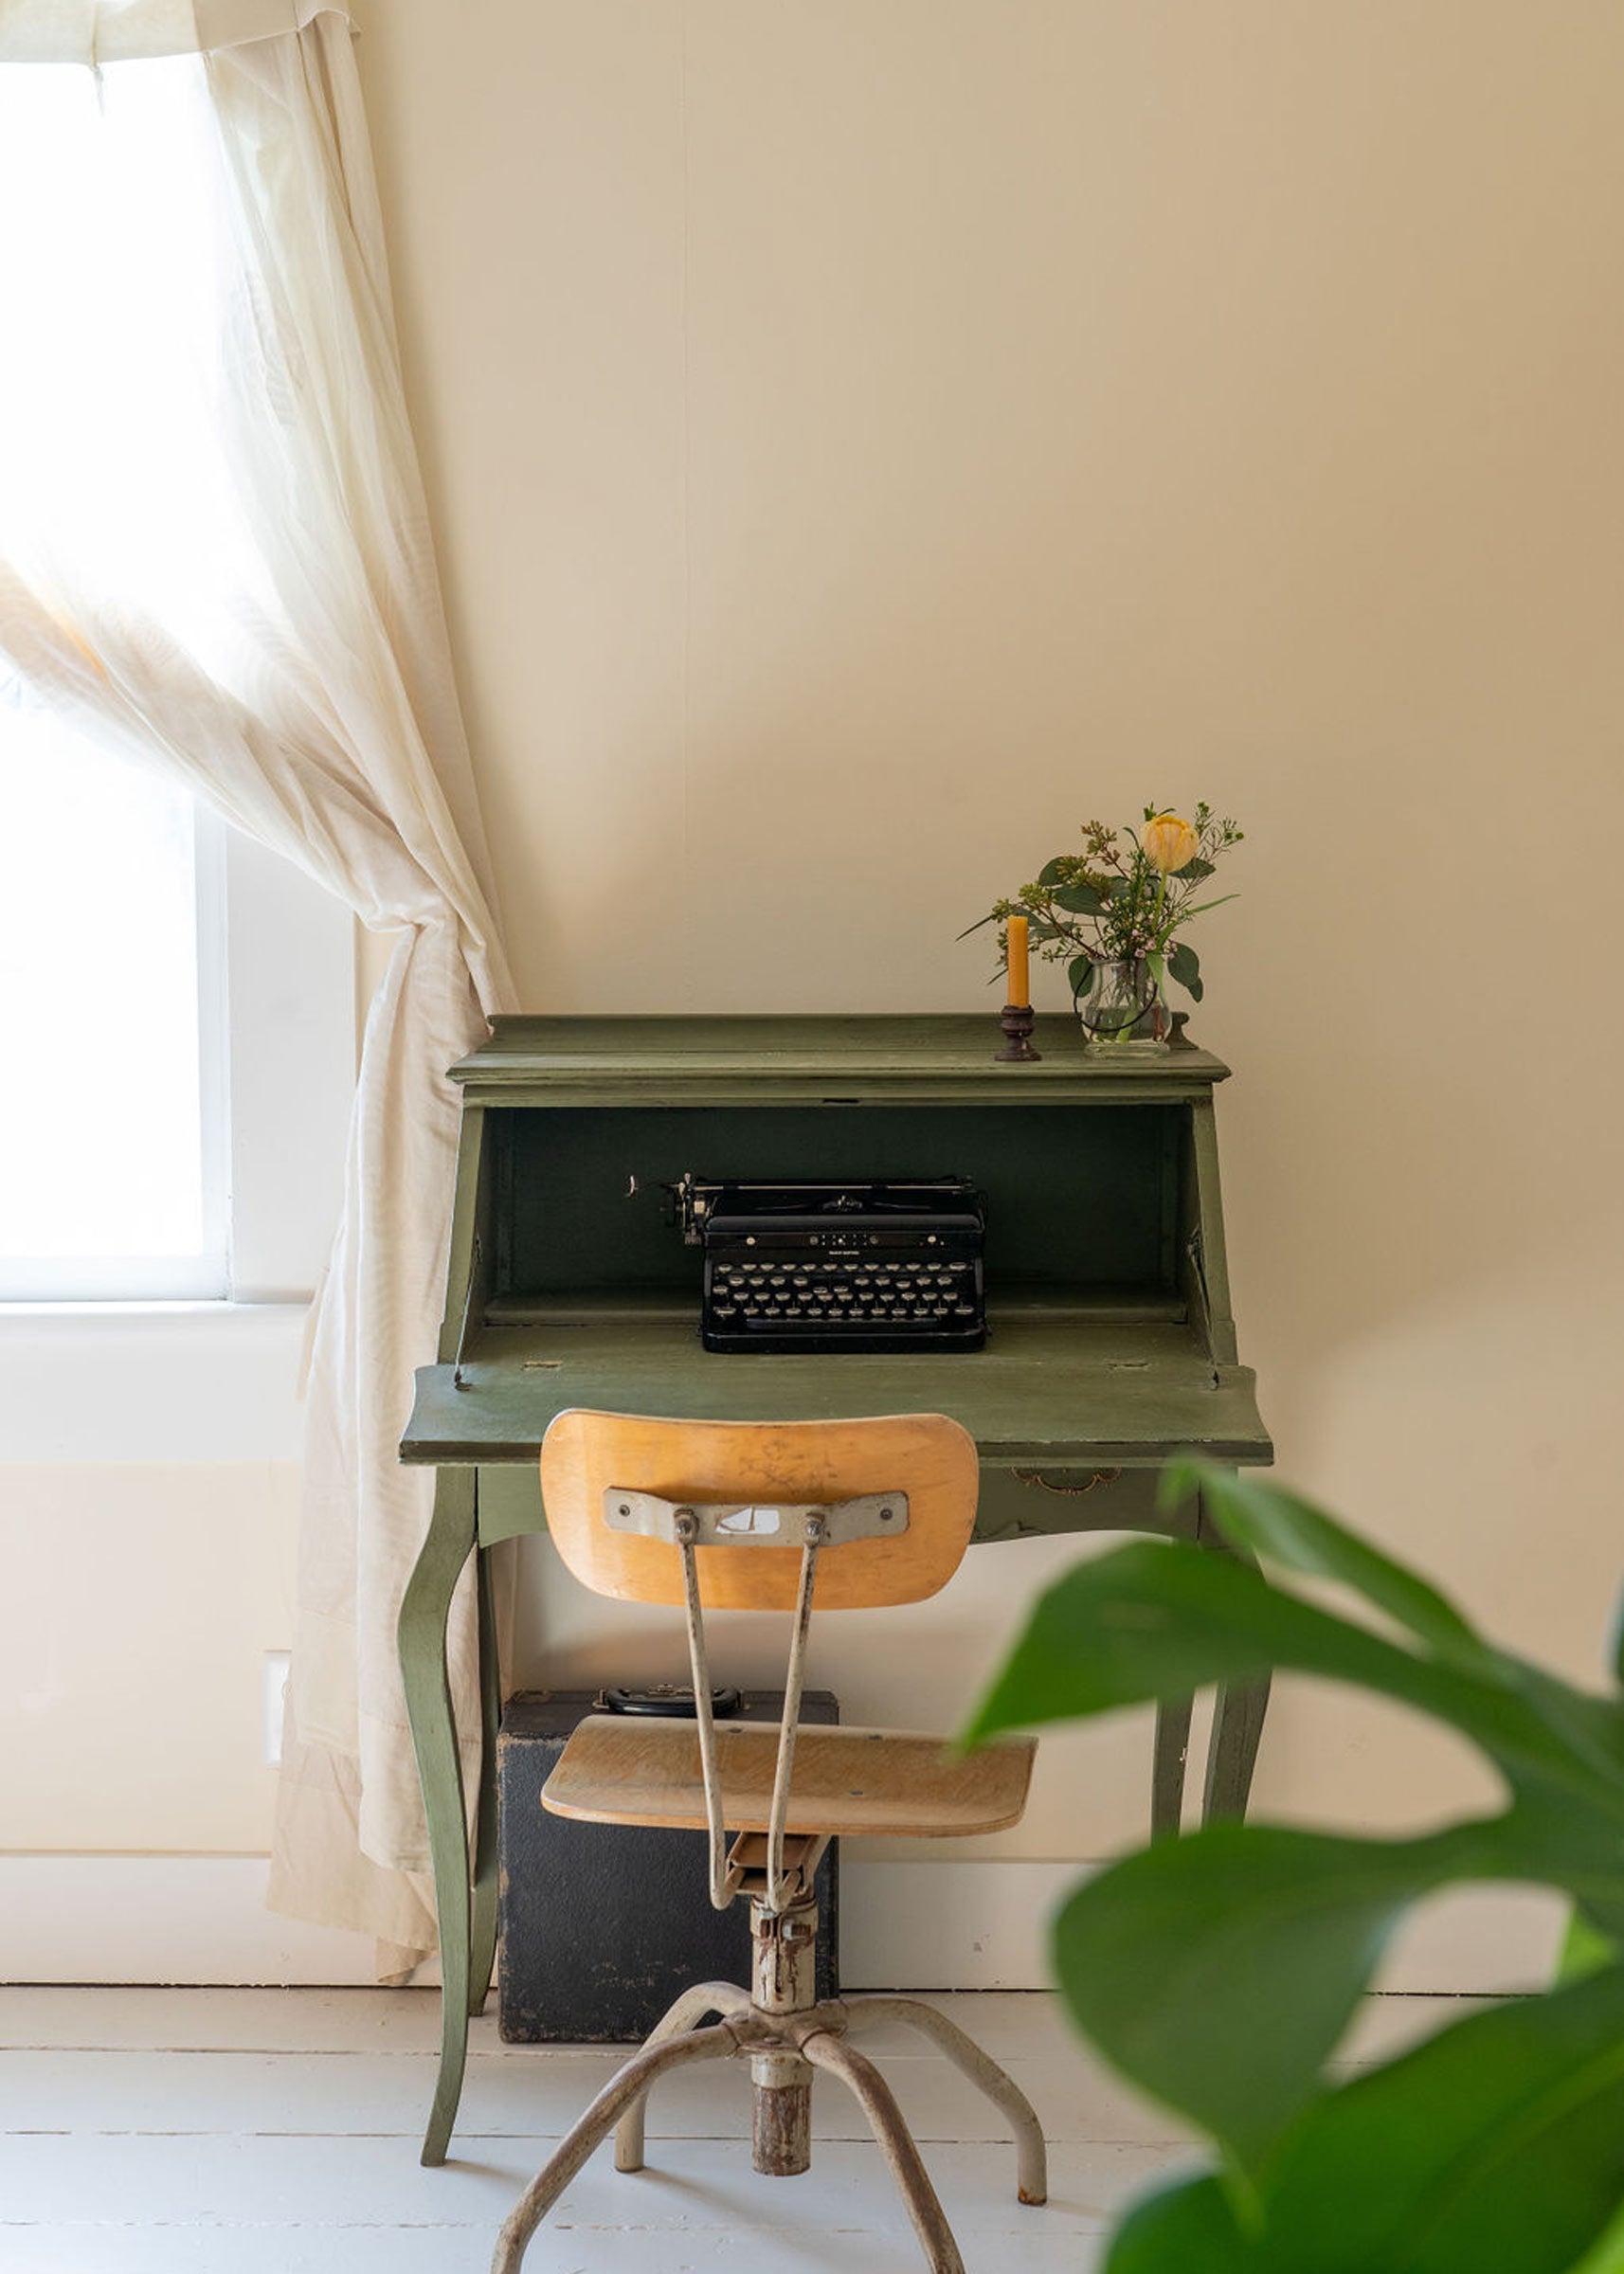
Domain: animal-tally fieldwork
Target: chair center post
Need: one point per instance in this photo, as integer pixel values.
(782, 1982)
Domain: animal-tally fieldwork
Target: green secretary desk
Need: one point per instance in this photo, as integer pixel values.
(1110, 1340)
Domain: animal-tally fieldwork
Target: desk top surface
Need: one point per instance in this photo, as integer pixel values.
(1047, 1388)
(823, 1055)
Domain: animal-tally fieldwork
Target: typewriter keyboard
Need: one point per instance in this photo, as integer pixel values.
(885, 1303)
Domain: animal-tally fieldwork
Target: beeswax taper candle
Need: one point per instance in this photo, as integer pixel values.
(1014, 964)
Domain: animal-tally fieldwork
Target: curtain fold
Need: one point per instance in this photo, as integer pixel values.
(119, 31)
(300, 683)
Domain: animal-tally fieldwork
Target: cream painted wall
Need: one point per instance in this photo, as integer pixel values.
(132, 1591)
(869, 437)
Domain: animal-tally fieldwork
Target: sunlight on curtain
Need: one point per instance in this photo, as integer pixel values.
(120, 294)
(117, 1189)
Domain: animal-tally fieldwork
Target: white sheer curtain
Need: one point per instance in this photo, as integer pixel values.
(214, 555)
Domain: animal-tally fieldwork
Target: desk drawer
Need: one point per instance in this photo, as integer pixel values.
(1022, 1502)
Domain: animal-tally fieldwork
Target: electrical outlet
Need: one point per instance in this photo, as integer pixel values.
(273, 1695)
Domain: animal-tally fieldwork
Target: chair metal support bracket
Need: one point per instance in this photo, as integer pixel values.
(747, 1523)
(780, 1885)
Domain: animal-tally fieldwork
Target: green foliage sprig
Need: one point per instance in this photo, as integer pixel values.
(1217, 1970)
(1123, 898)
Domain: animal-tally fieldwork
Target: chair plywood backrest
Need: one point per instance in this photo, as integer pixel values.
(927, 1456)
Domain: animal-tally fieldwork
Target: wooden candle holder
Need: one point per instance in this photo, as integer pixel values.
(1017, 1021)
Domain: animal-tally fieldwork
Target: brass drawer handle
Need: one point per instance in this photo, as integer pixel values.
(1100, 1476)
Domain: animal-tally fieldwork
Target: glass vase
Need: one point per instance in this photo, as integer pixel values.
(1122, 1009)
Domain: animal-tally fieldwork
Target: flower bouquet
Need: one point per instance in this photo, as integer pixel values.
(1112, 913)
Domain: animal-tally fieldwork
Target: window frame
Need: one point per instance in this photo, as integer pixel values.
(294, 1024)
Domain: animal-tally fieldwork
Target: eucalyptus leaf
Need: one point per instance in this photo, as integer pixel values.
(1195, 872)
(1079, 900)
(1053, 871)
(1079, 974)
(1184, 964)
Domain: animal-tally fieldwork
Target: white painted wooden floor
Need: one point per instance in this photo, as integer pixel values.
(277, 2132)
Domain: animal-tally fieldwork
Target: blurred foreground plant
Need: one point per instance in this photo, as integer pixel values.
(1217, 1970)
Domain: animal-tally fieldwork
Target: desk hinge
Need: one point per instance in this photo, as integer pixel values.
(1197, 1254)
(474, 1259)
(1193, 1248)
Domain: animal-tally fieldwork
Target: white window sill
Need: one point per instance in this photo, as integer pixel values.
(151, 1381)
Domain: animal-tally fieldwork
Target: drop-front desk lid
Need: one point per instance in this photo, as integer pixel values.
(1049, 1387)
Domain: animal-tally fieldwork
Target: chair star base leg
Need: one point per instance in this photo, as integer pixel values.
(784, 2041)
(860, 2075)
(1032, 2159)
(725, 1998)
(634, 2080)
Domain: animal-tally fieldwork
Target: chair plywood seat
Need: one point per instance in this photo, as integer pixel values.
(623, 1769)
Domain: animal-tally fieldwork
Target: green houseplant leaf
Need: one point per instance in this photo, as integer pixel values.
(1607, 2257)
(1160, 1956)
(1495, 2148)
(1190, 2228)
(1217, 1970)
(1157, 1620)
(1287, 1531)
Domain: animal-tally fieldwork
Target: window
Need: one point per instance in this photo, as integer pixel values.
(113, 1156)
(178, 1014)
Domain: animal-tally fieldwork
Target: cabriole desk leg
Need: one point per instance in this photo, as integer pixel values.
(1167, 1774)
(424, 1611)
(483, 1956)
(1237, 1730)
(1237, 1717)
(1173, 1714)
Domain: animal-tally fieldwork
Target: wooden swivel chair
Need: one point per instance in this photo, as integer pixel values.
(749, 1516)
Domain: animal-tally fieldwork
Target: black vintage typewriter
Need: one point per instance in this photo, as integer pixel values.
(883, 1266)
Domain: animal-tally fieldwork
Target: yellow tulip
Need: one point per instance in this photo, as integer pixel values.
(1170, 844)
